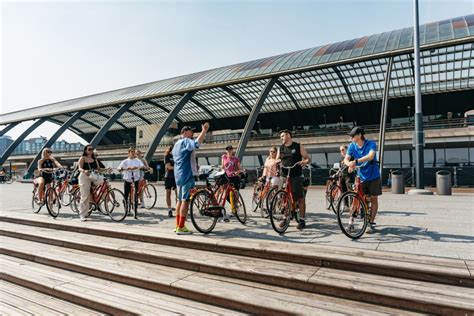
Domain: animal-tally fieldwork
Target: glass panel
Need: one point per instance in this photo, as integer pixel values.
(406, 163)
(319, 160)
(391, 159)
(456, 156)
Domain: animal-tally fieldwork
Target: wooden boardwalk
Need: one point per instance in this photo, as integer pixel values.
(121, 269)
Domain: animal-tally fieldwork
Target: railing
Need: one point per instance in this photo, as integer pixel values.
(321, 132)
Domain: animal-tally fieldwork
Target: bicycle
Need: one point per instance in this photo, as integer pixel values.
(333, 189)
(354, 211)
(7, 179)
(263, 192)
(283, 207)
(146, 189)
(208, 204)
(49, 198)
(104, 199)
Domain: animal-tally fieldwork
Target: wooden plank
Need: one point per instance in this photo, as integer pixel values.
(30, 298)
(124, 296)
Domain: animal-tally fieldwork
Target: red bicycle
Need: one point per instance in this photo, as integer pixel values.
(105, 199)
(263, 193)
(208, 204)
(284, 208)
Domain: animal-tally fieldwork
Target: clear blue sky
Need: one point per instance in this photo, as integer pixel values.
(52, 51)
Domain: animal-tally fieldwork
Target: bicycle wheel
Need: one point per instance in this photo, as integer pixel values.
(65, 196)
(352, 215)
(8, 180)
(201, 201)
(257, 190)
(149, 196)
(35, 201)
(53, 205)
(280, 212)
(335, 195)
(265, 212)
(239, 207)
(75, 200)
(116, 205)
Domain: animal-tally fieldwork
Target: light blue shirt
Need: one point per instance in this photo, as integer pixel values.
(182, 153)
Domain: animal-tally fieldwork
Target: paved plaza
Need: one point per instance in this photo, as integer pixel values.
(440, 226)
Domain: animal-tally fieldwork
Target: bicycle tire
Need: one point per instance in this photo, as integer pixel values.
(199, 202)
(280, 212)
(329, 185)
(240, 206)
(257, 189)
(35, 202)
(9, 180)
(268, 202)
(75, 200)
(149, 191)
(65, 197)
(332, 195)
(116, 205)
(346, 199)
(52, 202)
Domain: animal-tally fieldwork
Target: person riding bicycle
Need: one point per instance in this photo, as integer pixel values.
(362, 152)
(132, 174)
(347, 173)
(290, 153)
(88, 167)
(183, 153)
(45, 166)
(271, 168)
(170, 183)
(3, 173)
(231, 165)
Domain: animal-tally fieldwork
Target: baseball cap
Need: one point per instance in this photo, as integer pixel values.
(187, 128)
(356, 130)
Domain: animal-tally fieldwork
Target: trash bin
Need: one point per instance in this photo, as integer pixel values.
(443, 182)
(398, 182)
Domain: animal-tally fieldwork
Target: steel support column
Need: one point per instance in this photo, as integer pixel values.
(53, 138)
(20, 138)
(166, 124)
(104, 129)
(253, 117)
(344, 83)
(383, 113)
(8, 128)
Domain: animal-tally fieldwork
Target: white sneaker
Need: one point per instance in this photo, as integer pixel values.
(83, 219)
(370, 229)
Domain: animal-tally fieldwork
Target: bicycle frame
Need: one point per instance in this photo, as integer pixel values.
(99, 192)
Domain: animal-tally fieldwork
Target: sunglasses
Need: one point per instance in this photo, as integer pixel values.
(90, 149)
(272, 151)
(49, 152)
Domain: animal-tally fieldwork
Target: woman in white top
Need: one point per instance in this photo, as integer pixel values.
(131, 168)
(270, 169)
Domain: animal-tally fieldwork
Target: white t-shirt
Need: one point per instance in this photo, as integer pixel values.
(128, 175)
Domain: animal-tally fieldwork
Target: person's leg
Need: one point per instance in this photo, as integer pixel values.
(374, 200)
(85, 189)
(168, 198)
(183, 210)
(178, 206)
(126, 192)
(136, 184)
(41, 186)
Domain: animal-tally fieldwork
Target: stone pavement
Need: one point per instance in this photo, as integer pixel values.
(439, 226)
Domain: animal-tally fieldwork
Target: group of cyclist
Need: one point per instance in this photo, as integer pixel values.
(180, 168)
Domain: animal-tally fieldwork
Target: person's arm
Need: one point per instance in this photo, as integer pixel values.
(370, 156)
(121, 166)
(222, 163)
(39, 165)
(306, 160)
(202, 135)
(57, 164)
(264, 173)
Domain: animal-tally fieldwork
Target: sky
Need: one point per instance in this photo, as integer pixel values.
(54, 51)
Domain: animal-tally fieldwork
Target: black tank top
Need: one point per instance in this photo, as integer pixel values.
(290, 155)
(47, 164)
(90, 165)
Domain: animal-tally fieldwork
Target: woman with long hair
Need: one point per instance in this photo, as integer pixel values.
(45, 167)
(88, 167)
(270, 169)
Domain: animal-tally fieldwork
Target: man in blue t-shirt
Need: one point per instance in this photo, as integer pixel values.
(362, 152)
(183, 173)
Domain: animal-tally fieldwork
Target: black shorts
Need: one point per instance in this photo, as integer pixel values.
(372, 188)
(48, 178)
(170, 184)
(296, 187)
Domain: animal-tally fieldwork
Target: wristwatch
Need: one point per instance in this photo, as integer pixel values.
(357, 161)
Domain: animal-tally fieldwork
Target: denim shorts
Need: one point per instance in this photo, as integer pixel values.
(184, 191)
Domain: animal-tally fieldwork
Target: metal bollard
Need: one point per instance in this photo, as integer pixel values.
(443, 182)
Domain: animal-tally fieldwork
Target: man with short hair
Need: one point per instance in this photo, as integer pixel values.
(183, 172)
(290, 153)
(362, 152)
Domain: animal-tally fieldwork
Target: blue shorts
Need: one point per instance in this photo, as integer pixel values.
(184, 191)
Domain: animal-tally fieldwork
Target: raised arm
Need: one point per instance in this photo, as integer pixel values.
(202, 135)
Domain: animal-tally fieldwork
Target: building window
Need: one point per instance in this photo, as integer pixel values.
(140, 134)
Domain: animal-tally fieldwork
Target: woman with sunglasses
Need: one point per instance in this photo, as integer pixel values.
(270, 169)
(88, 165)
(45, 167)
